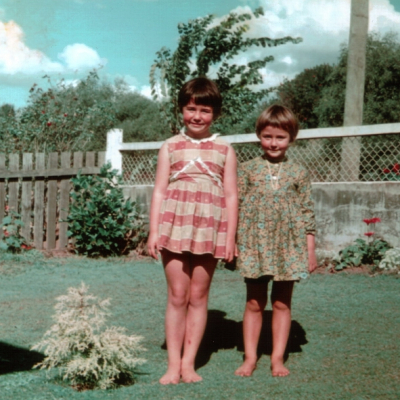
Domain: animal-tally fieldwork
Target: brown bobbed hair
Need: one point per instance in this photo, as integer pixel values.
(204, 92)
(279, 117)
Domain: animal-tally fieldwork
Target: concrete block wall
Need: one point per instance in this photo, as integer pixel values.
(339, 211)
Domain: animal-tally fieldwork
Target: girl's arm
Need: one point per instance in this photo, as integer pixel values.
(160, 188)
(312, 259)
(309, 218)
(231, 198)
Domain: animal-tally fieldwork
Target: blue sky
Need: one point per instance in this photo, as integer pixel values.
(68, 38)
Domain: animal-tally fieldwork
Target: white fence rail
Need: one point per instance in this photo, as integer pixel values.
(369, 153)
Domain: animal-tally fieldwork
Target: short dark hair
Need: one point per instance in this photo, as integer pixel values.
(203, 91)
(279, 117)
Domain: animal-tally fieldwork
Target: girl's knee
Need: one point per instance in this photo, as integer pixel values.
(178, 297)
(255, 305)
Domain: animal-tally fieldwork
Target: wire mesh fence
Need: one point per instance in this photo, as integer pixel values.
(371, 158)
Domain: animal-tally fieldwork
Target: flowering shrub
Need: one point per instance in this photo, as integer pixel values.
(88, 358)
(392, 174)
(391, 261)
(369, 252)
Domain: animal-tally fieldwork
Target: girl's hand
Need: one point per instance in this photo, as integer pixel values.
(312, 262)
(152, 246)
(230, 251)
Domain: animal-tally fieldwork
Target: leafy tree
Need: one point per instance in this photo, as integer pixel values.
(381, 98)
(67, 117)
(303, 93)
(204, 47)
(139, 118)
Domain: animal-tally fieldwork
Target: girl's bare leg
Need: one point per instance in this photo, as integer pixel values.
(252, 324)
(281, 298)
(203, 268)
(177, 272)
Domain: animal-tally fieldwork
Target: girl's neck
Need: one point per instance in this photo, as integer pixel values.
(274, 160)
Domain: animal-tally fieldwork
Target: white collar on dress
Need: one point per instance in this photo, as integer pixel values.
(207, 139)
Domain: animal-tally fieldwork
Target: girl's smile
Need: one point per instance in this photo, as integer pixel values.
(197, 119)
(275, 142)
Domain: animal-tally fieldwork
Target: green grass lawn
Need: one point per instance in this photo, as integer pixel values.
(344, 341)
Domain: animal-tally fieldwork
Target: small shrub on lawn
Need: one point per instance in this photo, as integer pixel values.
(367, 252)
(89, 359)
(100, 220)
(12, 239)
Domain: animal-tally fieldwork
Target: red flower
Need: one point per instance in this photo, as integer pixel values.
(369, 233)
(375, 220)
(65, 115)
(7, 208)
(368, 221)
(49, 123)
(26, 247)
(396, 168)
(386, 171)
(43, 112)
(6, 233)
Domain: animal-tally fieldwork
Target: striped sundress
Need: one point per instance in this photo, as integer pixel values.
(193, 215)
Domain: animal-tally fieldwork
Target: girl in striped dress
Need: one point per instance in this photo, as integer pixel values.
(193, 221)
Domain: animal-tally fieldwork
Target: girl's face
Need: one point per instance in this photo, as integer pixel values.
(197, 119)
(275, 142)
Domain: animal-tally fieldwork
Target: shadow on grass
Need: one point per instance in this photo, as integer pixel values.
(222, 333)
(16, 359)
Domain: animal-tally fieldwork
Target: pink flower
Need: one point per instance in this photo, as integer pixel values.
(6, 233)
(7, 208)
(369, 234)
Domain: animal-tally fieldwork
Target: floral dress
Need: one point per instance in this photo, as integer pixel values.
(193, 216)
(275, 215)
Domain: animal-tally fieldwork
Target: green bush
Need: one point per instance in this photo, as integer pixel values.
(88, 359)
(100, 220)
(12, 239)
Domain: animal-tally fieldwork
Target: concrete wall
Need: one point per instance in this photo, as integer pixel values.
(339, 210)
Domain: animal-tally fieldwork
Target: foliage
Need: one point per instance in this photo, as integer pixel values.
(205, 45)
(139, 117)
(100, 220)
(303, 93)
(391, 260)
(87, 357)
(65, 117)
(12, 239)
(392, 173)
(381, 98)
(368, 252)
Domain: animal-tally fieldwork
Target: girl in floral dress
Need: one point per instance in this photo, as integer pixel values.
(193, 221)
(275, 235)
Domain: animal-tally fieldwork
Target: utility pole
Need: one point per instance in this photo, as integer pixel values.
(355, 82)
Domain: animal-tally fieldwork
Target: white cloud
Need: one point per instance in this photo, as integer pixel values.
(78, 56)
(16, 57)
(322, 24)
(146, 91)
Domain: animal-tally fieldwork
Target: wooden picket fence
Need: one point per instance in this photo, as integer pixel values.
(37, 186)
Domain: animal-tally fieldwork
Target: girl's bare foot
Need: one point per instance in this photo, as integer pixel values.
(189, 375)
(246, 369)
(171, 377)
(278, 369)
